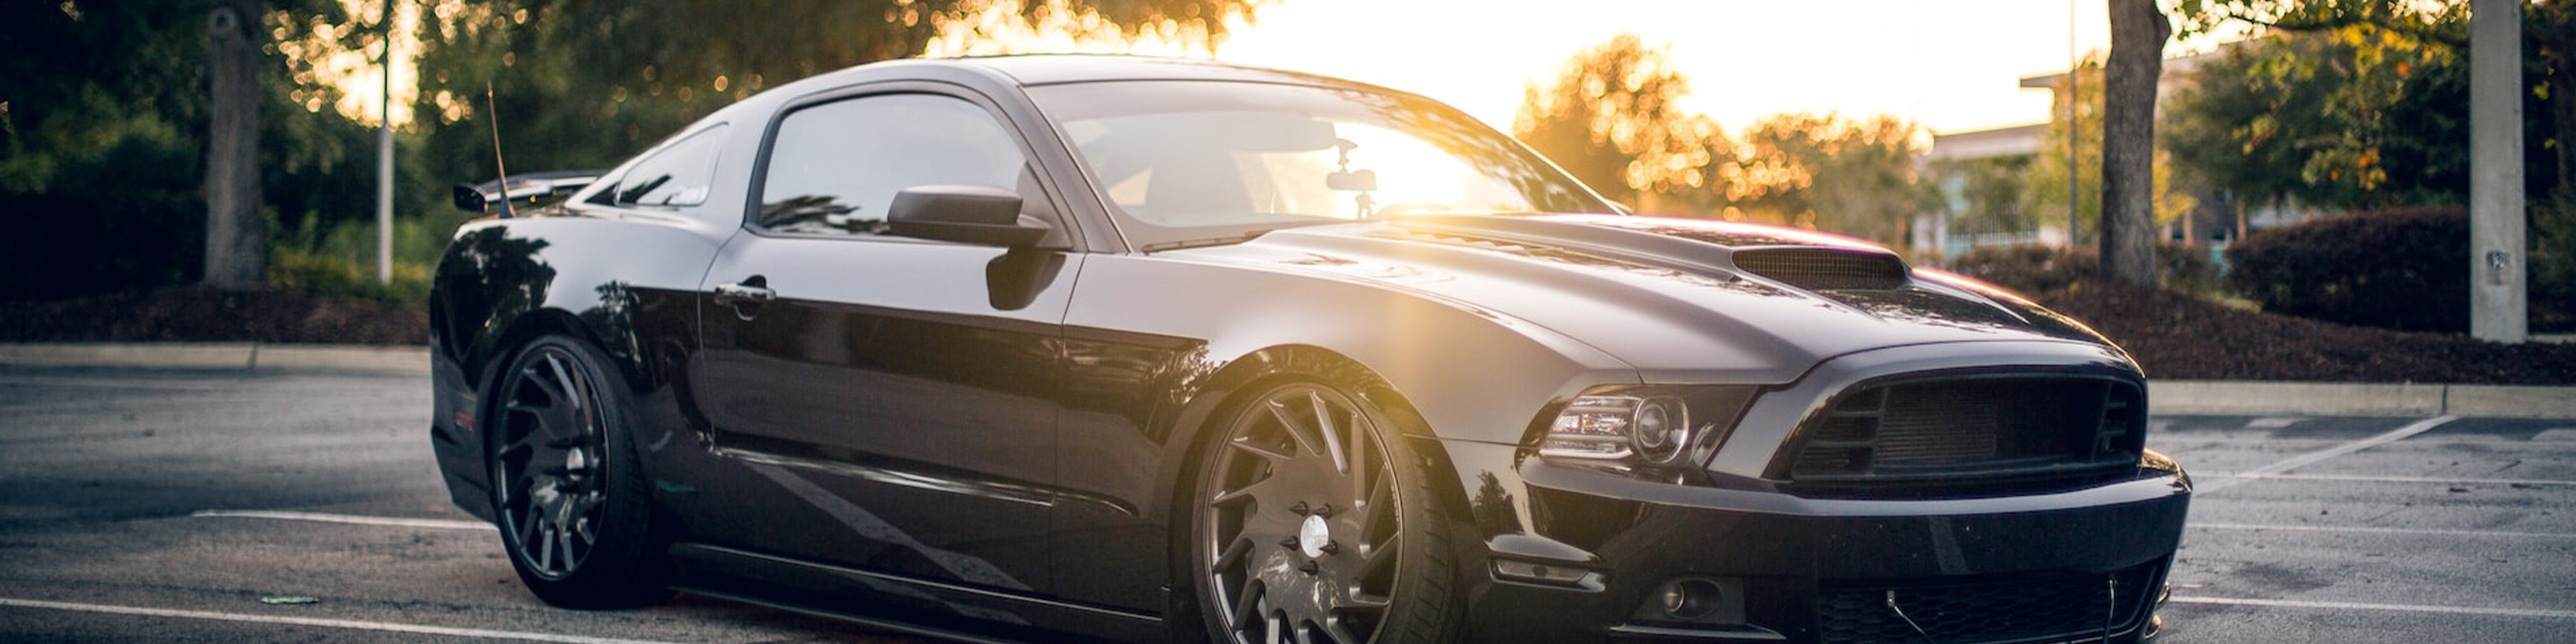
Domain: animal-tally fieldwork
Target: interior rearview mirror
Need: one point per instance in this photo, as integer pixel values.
(1360, 180)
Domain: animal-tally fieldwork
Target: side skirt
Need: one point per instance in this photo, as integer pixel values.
(899, 603)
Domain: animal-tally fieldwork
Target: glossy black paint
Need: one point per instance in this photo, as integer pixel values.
(985, 439)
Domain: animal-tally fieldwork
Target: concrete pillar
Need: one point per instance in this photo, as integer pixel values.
(2497, 274)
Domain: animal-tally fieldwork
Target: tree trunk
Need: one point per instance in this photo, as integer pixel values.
(236, 232)
(2138, 34)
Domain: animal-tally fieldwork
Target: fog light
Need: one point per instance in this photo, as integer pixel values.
(1708, 601)
(1692, 599)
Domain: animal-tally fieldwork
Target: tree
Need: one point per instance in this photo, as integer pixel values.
(236, 231)
(2045, 189)
(2352, 119)
(1854, 177)
(1610, 119)
(2138, 34)
(2549, 36)
(582, 83)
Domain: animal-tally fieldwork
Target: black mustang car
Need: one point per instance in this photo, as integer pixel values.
(1144, 350)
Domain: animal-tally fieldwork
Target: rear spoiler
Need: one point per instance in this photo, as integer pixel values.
(524, 190)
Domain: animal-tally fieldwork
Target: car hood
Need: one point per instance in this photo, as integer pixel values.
(1682, 300)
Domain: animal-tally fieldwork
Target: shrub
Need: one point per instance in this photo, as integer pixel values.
(2553, 264)
(2397, 269)
(339, 261)
(2040, 269)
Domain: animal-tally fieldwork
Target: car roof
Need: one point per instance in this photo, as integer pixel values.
(1049, 69)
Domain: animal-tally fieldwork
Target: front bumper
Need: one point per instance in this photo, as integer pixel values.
(2060, 567)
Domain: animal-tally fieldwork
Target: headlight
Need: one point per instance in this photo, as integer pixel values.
(1642, 425)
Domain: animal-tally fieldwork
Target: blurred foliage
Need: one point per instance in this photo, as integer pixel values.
(2046, 183)
(2033, 268)
(2368, 100)
(1610, 118)
(2553, 264)
(1992, 194)
(2396, 269)
(339, 259)
(583, 83)
(1854, 177)
(103, 112)
(2353, 118)
(99, 140)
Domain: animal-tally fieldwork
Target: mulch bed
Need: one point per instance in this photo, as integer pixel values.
(196, 314)
(2172, 335)
(2176, 336)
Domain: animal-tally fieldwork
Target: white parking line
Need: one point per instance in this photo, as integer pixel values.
(2350, 478)
(2370, 530)
(2312, 458)
(323, 623)
(2411, 608)
(108, 384)
(438, 524)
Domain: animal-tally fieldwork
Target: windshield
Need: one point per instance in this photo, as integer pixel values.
(1184, 160)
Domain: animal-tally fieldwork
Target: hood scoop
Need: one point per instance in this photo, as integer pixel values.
(1825, 269)
(1799, 259)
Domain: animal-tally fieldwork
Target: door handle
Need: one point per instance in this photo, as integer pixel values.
(744, 294)
(745, 297)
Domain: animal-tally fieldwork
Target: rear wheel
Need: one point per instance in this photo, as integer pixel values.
(1311, 523)
(574, 511)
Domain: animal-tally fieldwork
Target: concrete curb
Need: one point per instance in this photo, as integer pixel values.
(252, 356)
(2358, 399)
(2216, 397)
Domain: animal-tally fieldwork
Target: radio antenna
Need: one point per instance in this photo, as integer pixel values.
(493, 109)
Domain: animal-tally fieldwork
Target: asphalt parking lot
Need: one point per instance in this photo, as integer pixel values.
(141, 505)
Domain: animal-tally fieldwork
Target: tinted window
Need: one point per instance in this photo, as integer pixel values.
(676, 176)
(1193, 155)
(834, 168)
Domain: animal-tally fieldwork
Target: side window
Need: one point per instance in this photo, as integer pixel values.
(835, 167)
(679, 175)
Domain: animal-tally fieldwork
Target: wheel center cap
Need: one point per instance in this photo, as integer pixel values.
(1312, 535)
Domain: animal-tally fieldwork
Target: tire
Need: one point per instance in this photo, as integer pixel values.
(574, 509)
(1311, 521)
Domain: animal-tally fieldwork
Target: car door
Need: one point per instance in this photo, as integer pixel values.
(893, 399)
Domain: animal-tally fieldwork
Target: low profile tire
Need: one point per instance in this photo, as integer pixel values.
(1312, 523)
(574, 510)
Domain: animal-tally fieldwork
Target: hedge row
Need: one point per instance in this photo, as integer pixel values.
(2042, 269)
(2396, 269)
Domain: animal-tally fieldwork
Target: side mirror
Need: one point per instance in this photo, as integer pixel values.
(961, 213)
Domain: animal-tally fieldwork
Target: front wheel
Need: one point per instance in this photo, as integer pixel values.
(573, 508)
(1312, 523)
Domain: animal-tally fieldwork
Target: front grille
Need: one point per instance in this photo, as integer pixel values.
(1990, 611)
(2050, 608)
(1825, 269)
(1969, 437)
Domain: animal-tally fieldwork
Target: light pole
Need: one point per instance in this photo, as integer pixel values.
(385, 154)
(2074, 105)
(2497, 298)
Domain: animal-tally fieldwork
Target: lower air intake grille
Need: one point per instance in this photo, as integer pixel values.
(2053, 608)
(1825, 269)
(1970, 436)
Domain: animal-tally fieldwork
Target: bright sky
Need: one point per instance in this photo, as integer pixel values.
(1950, 66)
(1947, 65)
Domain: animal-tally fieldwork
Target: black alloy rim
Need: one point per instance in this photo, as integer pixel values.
(549, 462)
(1301, 457)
